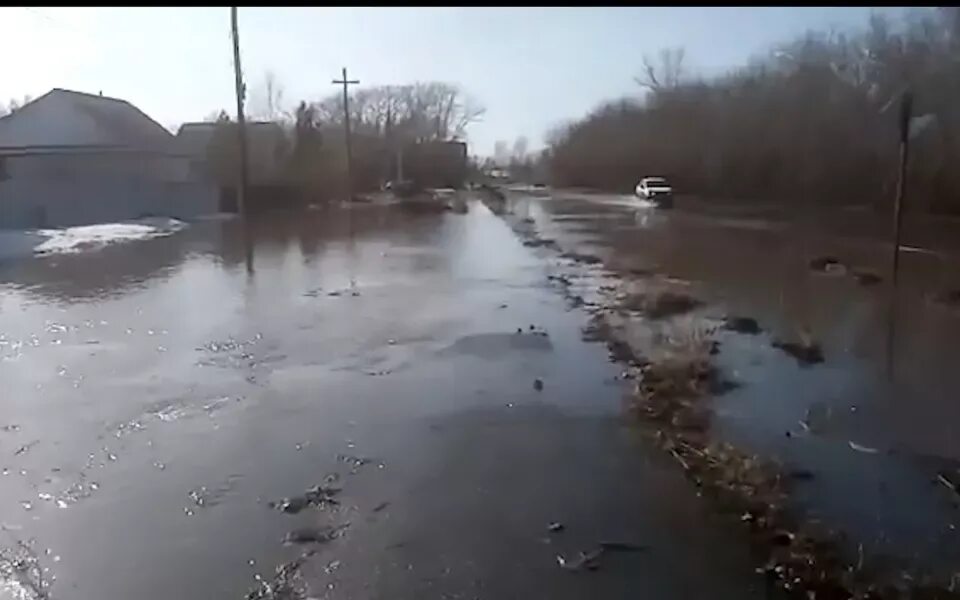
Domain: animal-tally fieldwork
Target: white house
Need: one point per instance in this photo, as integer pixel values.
(70, 158)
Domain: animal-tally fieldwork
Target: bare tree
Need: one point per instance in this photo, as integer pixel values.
(667, 75)
(267, 98)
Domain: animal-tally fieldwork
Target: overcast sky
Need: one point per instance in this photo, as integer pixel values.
(531, 67)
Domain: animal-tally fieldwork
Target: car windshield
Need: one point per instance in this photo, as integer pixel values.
(403, 325)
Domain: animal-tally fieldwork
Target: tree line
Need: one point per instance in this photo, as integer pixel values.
(814, 120)
(382, 119)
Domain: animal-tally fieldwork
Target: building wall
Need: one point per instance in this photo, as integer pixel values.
(97, 165)
(436, 164)
(30, 203)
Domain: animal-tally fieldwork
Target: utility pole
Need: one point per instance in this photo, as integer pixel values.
(346, 127)
(906, 110)
(241, 121)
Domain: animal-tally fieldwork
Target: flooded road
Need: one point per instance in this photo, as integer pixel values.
(162, 399)
(878, 448)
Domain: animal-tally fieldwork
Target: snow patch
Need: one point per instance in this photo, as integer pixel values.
(93, 237)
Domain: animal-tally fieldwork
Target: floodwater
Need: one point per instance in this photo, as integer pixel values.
(879, 420)
(159, 395)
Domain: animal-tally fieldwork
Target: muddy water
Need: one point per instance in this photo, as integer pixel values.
(755, 266)
(159, 395)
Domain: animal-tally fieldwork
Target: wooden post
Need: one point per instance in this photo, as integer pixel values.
(241, 121)
(346, 128)
(905, 111)
(906, 108)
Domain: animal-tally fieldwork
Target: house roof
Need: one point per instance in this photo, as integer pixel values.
(194, 138)
(65, 118)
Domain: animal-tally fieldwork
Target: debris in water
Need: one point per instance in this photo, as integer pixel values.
(25, 448)
(555, 526)
(950, 485)
(801, 474)
(866, 278)
(805, 353)
(331, 566)
(746, 325)
(380, 507)
(314, 535)
(825, 264)
(538, 384)
(660, 305)
(291, 505)
(285, 584)
(623, 546)
(586, 560)
(355, 462)
(864, 449)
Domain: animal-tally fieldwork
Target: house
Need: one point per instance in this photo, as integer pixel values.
(212, 148)
(71, 158)
(434, 163)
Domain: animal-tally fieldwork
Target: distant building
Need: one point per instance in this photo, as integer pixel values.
(70, 158)
(267, 150)
(435, 164)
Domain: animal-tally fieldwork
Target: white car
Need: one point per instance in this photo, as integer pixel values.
(656, 190)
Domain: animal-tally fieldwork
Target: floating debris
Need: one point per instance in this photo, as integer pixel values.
(586, 560)
(555, 526)
(805, 353)
(948, 298)
(286, 583)
(355, 462)
(746, 325)
(623, 546)
(800, 474)
(25, 448)
(540, 242)
(947, 483)
(864, 449)
(579, 257)
(866, 278)
(380, 507)
(538, 384)
(291, 505)
(660, 305)
(314, 535)
(825, 264)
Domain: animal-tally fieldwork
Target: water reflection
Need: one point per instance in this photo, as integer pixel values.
(120, 269)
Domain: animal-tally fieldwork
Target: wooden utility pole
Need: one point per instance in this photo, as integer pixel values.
(906, 110)
(346, 128)
(241, 121)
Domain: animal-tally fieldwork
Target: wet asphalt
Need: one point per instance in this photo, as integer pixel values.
(159, 395)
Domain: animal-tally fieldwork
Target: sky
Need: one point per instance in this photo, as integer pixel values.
(532, 68)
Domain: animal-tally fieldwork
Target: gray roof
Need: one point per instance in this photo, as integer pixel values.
(68, 119)
(194, 138)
